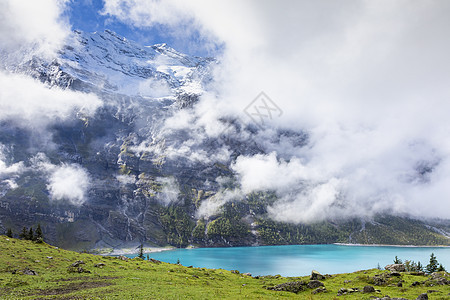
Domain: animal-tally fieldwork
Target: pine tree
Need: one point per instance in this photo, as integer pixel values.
(433, 265)
(440, 268)
(24, 233)
(30, 235)
(397, 260)
(39, 237)
(141, 251)
(419, 267)
(9, 233)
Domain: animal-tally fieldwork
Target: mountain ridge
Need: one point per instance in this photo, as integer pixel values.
(147, 181)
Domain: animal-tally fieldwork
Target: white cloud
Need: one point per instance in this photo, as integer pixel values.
(9, 172)
(213, 204)
(153, 88)
(310, 204)
(32, 25)
(31, 104)
(126, 179)
(265, 172)
(145, 13)
(169, 190)
(367, 80)
(69, 182)
(66, 182)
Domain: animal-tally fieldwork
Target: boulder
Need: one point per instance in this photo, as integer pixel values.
(436, 281)
(418, 273)
(436, 275)
(423, 296)
(368, 289)
(396, 268)
(247, 274)
(77, 263)
(415, 283)
(386, 297)
(29, 272)
(320, 290)
(77, 270)
(379, 281)
(81, 270)
(344, 291)
(124, 258)
(316, 276)
(99, 265)
(314, 284)
(293, 287)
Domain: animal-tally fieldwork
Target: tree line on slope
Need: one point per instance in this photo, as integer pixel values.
(411, 266)
(29, 234)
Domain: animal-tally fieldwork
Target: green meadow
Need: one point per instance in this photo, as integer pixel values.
(30, 270)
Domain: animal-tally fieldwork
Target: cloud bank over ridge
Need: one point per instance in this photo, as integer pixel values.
(365, 80)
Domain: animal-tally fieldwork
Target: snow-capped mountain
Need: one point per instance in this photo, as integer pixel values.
(107, 62)
(138, 167)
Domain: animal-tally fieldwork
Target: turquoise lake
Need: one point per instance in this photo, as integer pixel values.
(299, 260)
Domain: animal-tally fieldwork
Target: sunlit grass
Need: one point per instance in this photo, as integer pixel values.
(114, 278)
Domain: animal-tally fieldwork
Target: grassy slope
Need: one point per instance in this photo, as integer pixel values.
(137, 279)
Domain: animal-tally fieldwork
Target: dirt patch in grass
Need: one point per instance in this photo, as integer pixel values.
(72, 287)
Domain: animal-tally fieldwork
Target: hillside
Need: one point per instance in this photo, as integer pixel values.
(41, 271)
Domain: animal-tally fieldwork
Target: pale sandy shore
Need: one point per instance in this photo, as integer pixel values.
(148, 250)
(128, 251)
(384, 245)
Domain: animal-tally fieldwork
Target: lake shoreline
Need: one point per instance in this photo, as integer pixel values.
(132, 251)
(149, 250)
(388, 245)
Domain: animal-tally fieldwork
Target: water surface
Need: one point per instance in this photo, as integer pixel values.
(299, 260)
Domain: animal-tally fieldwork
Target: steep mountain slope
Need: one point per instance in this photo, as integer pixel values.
(145, 177)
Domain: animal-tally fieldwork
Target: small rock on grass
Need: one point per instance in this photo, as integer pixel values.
(27, 271)
(77, 263)
(344, 291)
(320, 290)
(293, 287)
(314, 284)
(368, 289)
(316, 276)
(396, 268)
(99, 265)
(423, 296)
(415, 283)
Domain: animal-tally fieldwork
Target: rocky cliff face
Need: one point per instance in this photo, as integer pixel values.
(146, 180)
